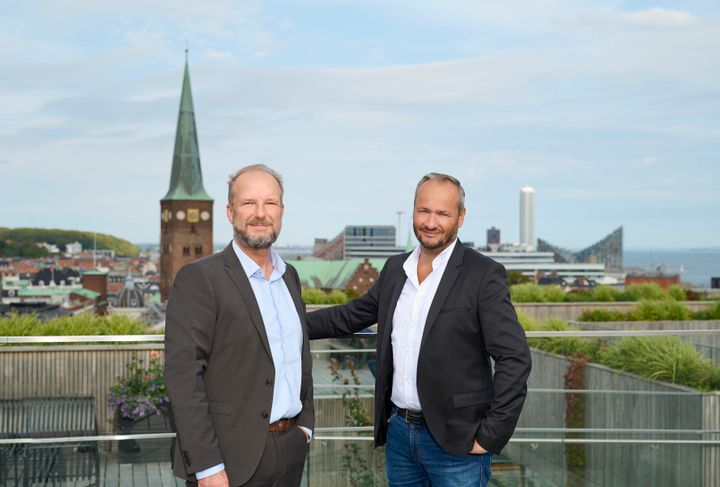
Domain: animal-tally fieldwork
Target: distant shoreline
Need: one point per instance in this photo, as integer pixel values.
(221, 245)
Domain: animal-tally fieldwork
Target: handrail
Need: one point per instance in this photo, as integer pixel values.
(150, 436)
(530, 334)
(547, 390)
(82, 339)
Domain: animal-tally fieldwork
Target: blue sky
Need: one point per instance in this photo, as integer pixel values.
(609, 109)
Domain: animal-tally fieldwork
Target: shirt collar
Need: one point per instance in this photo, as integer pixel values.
(411, 263)
(250, 266)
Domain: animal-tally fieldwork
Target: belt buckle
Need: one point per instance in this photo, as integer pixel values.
(413, 417)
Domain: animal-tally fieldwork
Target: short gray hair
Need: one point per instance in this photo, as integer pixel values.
(254, 167)
(443, 178)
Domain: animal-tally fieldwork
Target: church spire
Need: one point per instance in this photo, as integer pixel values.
(186, 177)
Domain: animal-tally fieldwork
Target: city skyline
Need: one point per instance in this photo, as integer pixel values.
(607, 110)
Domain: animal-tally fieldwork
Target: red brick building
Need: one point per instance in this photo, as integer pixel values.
(663, 280)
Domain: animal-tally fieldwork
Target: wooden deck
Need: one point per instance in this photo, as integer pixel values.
(114, 474)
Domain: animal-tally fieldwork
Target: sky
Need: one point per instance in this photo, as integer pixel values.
(609, 109)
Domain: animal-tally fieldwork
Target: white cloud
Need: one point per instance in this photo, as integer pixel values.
(219, 55)
(660, 18)
(575, 109)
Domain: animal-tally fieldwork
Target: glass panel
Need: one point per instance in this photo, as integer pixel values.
(616, 429)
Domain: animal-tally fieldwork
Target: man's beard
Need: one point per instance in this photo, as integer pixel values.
(445, 239)
(255, 242)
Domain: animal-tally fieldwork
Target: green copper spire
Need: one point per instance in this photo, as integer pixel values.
(186, 178)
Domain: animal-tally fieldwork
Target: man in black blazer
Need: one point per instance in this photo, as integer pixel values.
(443, 311)
(237, 363)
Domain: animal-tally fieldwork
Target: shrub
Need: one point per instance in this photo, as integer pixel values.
(648, 290)
(529, 323)
(528, 292)
(553, 294)
(578, 296)
(658, 358)
(313, 296)
(605, 293)
(599, 315)
(676, 292)
(82, 324)
(575, 347)
(659, 311)
(318, 296)
(515, 277)
(663, 358)
(711, 313)
(336, 297)
(645, 311)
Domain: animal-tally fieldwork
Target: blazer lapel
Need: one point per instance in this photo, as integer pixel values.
(296, 295)
(395, 289)
(452, 271)
(236, 273)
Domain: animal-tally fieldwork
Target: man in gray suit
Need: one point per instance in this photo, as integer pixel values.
(237, 364)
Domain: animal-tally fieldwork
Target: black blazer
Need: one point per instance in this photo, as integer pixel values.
(470, 320)
(219, 371)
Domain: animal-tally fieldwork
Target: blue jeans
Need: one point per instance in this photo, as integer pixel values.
(414, 459)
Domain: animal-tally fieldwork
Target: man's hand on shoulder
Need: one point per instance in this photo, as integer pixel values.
(219, 479)
(477, 449)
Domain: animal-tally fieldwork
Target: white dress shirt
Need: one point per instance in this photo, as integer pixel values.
(409, 320)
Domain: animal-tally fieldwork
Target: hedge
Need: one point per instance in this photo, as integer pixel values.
(667, 359)
(82, 324)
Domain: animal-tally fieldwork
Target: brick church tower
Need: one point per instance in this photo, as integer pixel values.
(186, 211)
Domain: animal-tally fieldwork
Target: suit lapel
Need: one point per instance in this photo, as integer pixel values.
(396, 287)
(296, 295)
(452, 271)
(236, 273)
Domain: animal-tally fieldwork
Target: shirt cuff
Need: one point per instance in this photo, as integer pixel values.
(309, 433)
(209, 471)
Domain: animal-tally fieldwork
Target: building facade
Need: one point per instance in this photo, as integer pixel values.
(493, 239)
(359, 241)
(608, 251)
(527, 217)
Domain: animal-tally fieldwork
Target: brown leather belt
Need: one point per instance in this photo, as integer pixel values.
(281, 425)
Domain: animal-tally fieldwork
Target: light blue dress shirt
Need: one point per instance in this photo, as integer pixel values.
(284, 333)
(282, 325)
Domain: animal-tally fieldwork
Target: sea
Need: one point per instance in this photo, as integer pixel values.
(695, 266)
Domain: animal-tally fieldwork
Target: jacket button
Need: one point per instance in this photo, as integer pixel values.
(268, 382)
(264, 415)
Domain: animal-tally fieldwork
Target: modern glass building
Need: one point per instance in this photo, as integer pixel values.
(369, 241)
(527, 217)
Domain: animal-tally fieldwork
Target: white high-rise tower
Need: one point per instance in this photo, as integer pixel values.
(527, 217)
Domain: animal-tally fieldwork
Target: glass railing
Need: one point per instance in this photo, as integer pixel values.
(618, 429)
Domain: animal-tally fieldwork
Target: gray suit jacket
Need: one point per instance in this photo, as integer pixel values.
(219, 371)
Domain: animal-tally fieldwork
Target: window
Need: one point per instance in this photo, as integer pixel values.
(186, 251)
(198, 250)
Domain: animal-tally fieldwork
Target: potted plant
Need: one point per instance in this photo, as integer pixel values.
(139, 395)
